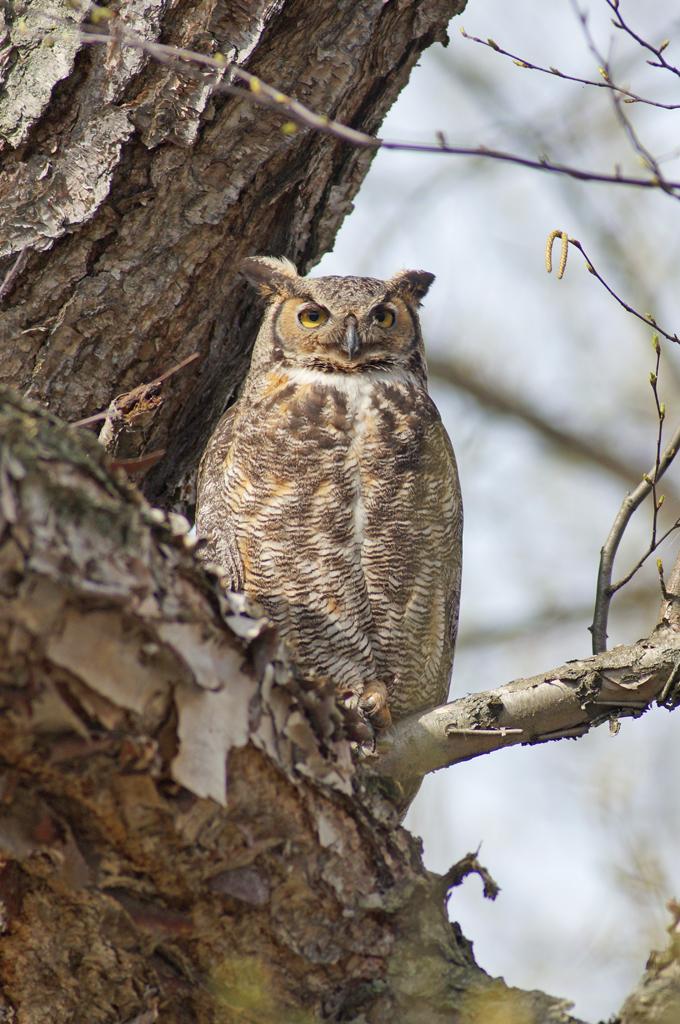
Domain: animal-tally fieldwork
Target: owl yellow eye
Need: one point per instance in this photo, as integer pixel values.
(383, 316)
(312, 316)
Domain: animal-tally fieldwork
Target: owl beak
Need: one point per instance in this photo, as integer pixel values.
(351, 342)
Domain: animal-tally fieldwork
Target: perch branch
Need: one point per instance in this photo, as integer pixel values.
(566, 702)
(137, 624)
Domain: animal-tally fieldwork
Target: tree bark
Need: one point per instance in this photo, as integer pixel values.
(133, 887)
(137, 881)
(563, 703)
(130, 192)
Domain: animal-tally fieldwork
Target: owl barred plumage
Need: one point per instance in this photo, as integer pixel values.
(329, 491)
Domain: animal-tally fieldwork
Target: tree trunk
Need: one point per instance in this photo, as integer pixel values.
(131, 889)
(129, 681)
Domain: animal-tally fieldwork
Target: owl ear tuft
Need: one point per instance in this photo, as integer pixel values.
(271, 275)
(411, 285)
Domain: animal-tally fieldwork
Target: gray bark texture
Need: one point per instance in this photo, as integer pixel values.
(184, 836)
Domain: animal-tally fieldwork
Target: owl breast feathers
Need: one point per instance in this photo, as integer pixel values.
(329, 491)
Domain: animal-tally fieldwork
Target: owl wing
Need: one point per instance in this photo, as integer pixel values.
(440, 520)
(213, 516)
(413, 566)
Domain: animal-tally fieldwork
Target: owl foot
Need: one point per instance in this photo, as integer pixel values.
(367, 715)
(374, 705)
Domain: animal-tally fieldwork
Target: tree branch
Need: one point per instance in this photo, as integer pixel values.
(605, 590)
(604, 83)
(565, 702)
(619, 22)
(263, 94)
(646, 318)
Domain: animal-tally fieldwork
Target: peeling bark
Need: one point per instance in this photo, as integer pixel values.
(136, 879)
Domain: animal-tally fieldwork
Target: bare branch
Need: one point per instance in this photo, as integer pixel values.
(522, 62)
(262, 94)
(142, 390)
(128, 421)
(647, 158)
(632, 501)
(657, 51)
(646, 318)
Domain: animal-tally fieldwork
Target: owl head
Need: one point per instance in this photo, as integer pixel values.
(341, 324)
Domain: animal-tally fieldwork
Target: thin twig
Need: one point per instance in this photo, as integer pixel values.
(645, 318)
(621, 704)
(13, 273)
(452, 730)
(654, 541)
(667, 697)
(661, 61)
(647, 158)
(139, 465)
(632, 501)
(156, 382)
(522, 62)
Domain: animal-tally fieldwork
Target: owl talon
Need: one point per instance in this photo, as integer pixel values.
(374, 704)
(358, 729)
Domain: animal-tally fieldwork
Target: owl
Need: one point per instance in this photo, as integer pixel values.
(329, 491)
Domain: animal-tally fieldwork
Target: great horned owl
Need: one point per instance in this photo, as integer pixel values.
(329, 491)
